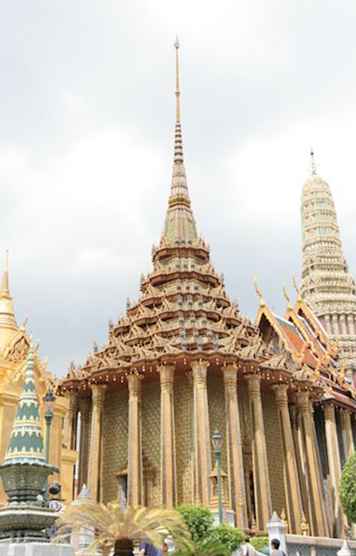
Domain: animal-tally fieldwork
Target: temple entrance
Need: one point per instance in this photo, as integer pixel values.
(122, 481)
(123, 547)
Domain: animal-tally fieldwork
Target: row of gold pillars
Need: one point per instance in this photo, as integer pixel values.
(300, 456)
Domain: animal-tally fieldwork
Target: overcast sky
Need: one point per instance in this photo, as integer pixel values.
(86, 134)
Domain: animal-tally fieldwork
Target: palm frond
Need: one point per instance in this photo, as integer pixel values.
(110, 524)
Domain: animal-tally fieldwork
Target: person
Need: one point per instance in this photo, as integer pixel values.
(147, 549)
(164, 549)
(247, 549)
(276, 551)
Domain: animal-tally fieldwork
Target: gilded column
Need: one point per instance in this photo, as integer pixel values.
(98, 396)
(202, 450)
(290, 468)
(234, 443)
(317, 512)
(334, 467)
(347, 436)
(259, 453)
(135, 471)
(84, 408)
(168, 459)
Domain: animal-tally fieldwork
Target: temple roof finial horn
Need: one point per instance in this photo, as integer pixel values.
(297, 289)
(259, 293)
(287, 298)
(312, 162)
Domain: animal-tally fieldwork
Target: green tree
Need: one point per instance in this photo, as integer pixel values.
(207, 539)
(348, 488)
(259, 543)
(227, 536)
(199, 521)
(205, 548)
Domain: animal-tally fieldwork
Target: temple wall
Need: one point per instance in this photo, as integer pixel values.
(115, 438)
(274, 451)
(151, 450)
(183, 408)
(217, 419)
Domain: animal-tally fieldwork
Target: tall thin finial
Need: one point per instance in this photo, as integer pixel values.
(5, 275)
(312, 162)
(176, 46)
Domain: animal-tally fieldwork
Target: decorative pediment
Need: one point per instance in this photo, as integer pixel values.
(282, 361)
(257, 350)
(18, 348)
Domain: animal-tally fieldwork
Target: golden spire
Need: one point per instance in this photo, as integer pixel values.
(5, 276)
(180, 224)
(176, 45)
(178, 142)
(312, 163)
(8, 323)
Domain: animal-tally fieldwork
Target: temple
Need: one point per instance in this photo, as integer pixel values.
(183, 362)
(327, 285)
(14, 348)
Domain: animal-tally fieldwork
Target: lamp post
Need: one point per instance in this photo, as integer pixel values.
(217, 441)
(49, 400)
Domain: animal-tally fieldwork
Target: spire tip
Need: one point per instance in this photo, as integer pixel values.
(5, 274)
(177, 93)
(312, 162)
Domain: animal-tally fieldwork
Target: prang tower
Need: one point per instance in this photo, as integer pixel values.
(327, 284)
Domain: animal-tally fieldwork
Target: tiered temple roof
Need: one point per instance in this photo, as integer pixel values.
(302, 344)
(184, 313)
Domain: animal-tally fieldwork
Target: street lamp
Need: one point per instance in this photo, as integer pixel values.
(217, 442)
(49, 400)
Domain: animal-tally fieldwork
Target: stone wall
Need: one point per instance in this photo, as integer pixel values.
(315, 546)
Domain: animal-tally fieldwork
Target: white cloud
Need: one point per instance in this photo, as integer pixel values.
(85, 157)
